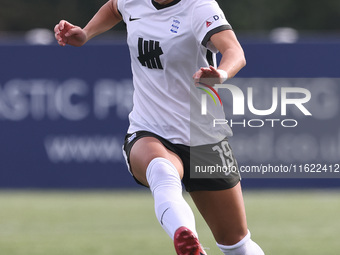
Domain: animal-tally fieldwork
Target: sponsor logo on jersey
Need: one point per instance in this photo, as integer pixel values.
(214, 18)
(208, 23)
(149, 53)
(175, 26)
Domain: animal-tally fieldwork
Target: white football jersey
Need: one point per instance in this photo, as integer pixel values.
(168, 44)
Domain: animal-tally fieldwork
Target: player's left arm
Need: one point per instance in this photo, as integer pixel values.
(233, 59)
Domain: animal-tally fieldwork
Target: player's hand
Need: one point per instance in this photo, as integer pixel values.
(66, 33)
(209, 75)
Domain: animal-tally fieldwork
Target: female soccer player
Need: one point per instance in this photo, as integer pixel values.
(171, 44)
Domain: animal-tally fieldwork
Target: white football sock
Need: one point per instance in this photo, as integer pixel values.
(244, 247)
(172, 211)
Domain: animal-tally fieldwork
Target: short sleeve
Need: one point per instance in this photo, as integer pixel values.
(208, 19)
(121, 9)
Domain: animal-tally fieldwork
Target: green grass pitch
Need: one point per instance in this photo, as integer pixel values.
(123, 222)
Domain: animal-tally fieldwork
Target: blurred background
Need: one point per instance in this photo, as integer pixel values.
(260, 19)
(63, 118)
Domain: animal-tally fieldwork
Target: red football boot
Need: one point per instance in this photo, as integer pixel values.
(186, 243)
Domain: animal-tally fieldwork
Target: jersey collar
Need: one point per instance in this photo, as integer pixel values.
(162, 6)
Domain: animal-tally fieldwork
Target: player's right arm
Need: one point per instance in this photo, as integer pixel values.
(106, 18)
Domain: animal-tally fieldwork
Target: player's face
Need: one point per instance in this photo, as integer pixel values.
(163, 1)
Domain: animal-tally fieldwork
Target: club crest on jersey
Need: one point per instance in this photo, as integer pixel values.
(175, 26)
(214, 18)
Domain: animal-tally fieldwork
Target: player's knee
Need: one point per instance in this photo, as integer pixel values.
(161, 171)
(230, 237)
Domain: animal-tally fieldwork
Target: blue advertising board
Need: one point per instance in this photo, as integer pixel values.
(64, 115)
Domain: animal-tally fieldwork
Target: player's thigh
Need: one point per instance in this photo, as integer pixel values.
(144, 151)
(224, 213)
